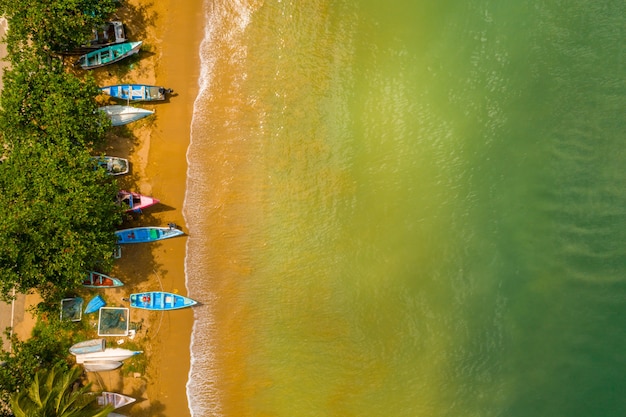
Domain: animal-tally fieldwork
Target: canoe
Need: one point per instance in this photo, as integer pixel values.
(160, 300)
(101, 365)
(108, 34)
(108, 55)
(112, 164)
(122, 115)
(72, 308)
(135, 201)
(97, 280)
(111, 354)
(137, 92)
(114, 399)
(147, 234)
(95, 304)
(88, 346)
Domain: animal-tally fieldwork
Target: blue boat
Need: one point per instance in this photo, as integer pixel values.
(160, 301)
(147, 234)
(88, 346)
(136, 92)
(95, 304)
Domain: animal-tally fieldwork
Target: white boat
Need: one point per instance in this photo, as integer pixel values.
(115, 399)
(88, 346)
(101, 365)
(116, 415)
(112, 354)
(121, 115)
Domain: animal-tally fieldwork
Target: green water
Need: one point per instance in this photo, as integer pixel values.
(430, 215)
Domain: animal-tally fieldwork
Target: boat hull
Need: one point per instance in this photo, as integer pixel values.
(114, 354)
(136, 92)
(101, 365)
(115, 399)
(123, 115)
(135, 201)
(108, 55)
(146, 234)
(160, 301)
(88, 346)
(97, 280)
(113, 164)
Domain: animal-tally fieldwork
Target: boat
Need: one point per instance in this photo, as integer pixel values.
(95, 304)
(108, 34)
(137, 92)
(115, 415)
(72, 308)
(98, 280)
(114, 399)
(112, 164)
(147, 234)
(88, 346)
(108, 55)
(111, 354)
(160, 300)
(135, 201)
(122, 115)
(101, 365)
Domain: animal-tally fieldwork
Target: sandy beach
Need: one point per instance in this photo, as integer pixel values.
(156, 148)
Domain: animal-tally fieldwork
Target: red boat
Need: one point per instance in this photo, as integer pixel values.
(97, 280)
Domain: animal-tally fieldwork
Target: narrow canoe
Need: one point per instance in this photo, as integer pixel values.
(147, 234)
(122, 115)
(88, 346)
(95, 304)
(112, 164)
(136, 92)
(160, 300)
(112, 354)
(135, 201)
(108, 55)
(97, 280)
(114, 399)
(101, 365)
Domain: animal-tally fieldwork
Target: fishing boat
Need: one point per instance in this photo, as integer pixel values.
(95, 304)
(147, 234)
(101, 365)
(108, 34)
(137, 92)
(88, 346)
(98, 280)
(112, 354)
(160, 300)
(114, 399)
(112, 164)
(108, 55)
(122, 115)
(135, 201)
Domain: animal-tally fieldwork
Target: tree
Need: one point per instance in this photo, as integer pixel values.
(52, 394)
(52, 25)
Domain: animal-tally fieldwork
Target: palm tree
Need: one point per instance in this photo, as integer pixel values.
(52, 395)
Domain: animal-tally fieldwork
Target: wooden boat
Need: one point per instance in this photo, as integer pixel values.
(108, 55)
(108, 34)
(101, 365)
(113, 165)
(137, 92)
(135, 201)
(88, 346)
(114, 399)
(147, 234)
(112, 354)
(98, 280)
(95, 304)
(160, 300)
(72, 309)
(122, 115)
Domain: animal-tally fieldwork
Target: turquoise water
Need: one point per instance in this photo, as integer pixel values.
(409, 209)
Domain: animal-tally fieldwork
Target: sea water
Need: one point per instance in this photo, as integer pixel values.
(409, 208)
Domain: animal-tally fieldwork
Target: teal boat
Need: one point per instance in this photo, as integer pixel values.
(160, 301)
(108, 55)
(147, 234)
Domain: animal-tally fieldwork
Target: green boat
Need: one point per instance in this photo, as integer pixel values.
(108, 55)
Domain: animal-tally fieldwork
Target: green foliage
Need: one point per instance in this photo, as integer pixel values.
(52, 25)
(52, 394)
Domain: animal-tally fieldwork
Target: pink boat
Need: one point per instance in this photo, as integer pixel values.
(135, 201)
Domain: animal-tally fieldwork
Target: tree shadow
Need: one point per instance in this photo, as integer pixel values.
(142, 17)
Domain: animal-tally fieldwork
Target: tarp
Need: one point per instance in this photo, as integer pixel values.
(113, 321)
(72, 309)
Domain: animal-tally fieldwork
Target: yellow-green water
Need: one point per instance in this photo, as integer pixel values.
(409, 208)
